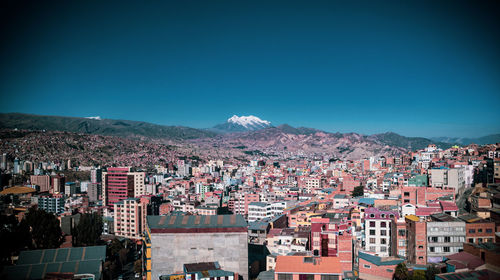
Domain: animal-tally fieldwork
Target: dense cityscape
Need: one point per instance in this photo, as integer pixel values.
(154, 213)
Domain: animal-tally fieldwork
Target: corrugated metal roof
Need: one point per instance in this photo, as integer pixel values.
(191, 221)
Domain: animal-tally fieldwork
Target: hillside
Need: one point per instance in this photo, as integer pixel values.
(107, 127)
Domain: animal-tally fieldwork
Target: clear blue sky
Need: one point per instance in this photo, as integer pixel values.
(413, 67)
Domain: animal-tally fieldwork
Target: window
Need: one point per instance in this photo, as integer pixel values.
(382, 241)
(383, 249)
(383, 224)
(447, 239)
(434, 239)
(306, 276)
(471, 240)
(446, 249)
(372, 215)
(390, 270)
(401, 232)
(383, 232)
(406, 194)
(367, 266)
(282, 276)
(479, 230)
(431, 249)
(372, 232)
(472, 231)
(372, 240)
(489, 230)
(383, 215)
(420, 247)
(372, 224)
(329, 277)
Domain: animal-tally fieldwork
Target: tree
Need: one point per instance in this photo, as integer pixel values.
(401, 272)
(14, 236)
(45, 229)
(88, 231)
(358, 191)
(431, 272)
(115, 247)
(418, 275)
(138, 266)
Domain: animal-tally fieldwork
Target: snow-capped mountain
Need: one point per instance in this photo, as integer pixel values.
(241, 124)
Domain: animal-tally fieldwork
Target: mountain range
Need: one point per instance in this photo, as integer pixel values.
(247, 134)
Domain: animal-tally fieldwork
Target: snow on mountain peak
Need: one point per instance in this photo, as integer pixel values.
(248, 121)
(94, 118)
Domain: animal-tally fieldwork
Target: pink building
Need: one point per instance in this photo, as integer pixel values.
(43, 181)
(119, 183)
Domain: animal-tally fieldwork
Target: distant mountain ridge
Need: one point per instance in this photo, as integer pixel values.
(488, 139)
(107, 127)
(248, 131)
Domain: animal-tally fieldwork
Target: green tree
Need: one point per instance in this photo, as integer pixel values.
(138, 266)
(45, 229)
(88, 231)
(418, 275)
(14, 237)
(401, 272)
(115, 247)
(358, 191)
(431, 272)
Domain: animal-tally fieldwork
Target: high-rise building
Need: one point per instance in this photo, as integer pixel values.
(57, 183)
(118, 183)
(95, 175)
(3, 161)
(130, 218)
(43, 181)
(17, 166)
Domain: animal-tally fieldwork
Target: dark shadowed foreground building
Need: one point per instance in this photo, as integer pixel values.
(174, 240)
(84, 262)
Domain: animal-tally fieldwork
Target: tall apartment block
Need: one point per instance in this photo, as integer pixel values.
(43, 181)
(378, 230)
(130, 218)
(119, 183)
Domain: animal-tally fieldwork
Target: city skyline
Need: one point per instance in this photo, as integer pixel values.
(424, 69)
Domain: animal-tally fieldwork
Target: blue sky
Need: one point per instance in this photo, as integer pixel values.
(417, 68)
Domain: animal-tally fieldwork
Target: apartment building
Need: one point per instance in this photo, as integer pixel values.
(378, 230)
(120, 183)
(262, 210)
(445, 236)
(53, 204)
(331, 237)
(130, 217)
(448, 178)
(478, 230)
(43, 181)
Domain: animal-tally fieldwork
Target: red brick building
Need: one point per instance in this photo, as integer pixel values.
(416, 230)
